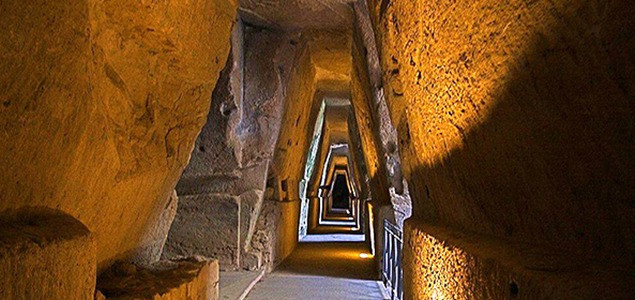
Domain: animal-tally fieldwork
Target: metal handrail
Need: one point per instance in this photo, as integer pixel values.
(392, 273)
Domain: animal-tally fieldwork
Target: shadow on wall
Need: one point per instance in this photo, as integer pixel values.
(45, 253)
(38, 216)
(550, 170)
(553, 161)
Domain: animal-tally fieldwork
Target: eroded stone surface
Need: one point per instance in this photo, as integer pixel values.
(207, 225)
(506, 114)
(250, 205)
(368, 125)
(476, 267)
(277, 231)
(185, 278)
(46, 255)
(269, 57)
(156, 236)
(102, 102)
(232, 154)
(384, 129)
(297, 14)
(218, 149)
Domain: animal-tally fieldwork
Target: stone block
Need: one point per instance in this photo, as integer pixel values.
(157, 233)
(46, 256)
(254, 177)
(276, 234)
(185, 278)
(92, 121)
(442, 263)
(207, 225)
(250, 203)
(251, 260)
(242, 180)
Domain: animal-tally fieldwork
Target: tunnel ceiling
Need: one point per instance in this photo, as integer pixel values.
(331, 54)
(294, 15)
(336, 121)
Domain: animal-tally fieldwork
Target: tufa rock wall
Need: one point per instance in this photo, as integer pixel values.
(222, 187)
(46, 254)
(101, 104)
(367, 61)
(515, 127)
(276, 231)
(368, 124)
(269, 59)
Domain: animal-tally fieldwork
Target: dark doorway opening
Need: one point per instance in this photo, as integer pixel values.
(341, 194)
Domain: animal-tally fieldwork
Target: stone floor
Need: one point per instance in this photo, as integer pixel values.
(322, 271)
(235, 285)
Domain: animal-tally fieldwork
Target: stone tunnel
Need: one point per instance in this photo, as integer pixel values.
(317, 149)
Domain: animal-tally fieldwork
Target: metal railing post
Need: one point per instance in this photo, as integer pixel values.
(392, 274)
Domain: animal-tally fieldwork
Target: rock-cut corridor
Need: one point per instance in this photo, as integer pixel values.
(317, 149)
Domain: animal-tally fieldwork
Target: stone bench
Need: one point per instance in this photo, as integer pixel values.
(187, 278)
(46, 255)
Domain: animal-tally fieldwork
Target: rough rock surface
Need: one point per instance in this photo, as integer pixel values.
(186, 278)
(277, 231)
(218, 150)
(101, 104)
(207, 225)
(46, 255)
(297, 14)
(250, 206)
(467, 266)
(515, 122)
(224, 182)
(385, 131)
(156, 236)
(268, 62)
(368, 125)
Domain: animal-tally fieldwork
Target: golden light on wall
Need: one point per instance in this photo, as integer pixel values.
(442, 272)
(366, 255)
(442, 86)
